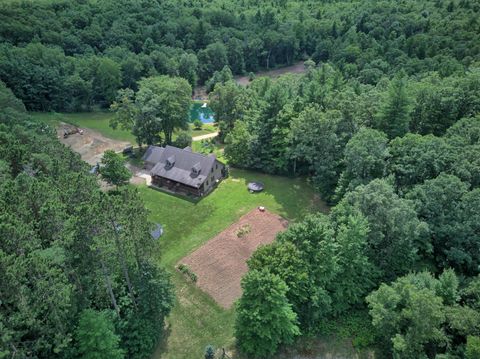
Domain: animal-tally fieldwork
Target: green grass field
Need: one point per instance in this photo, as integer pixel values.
(196, 319)
(99, 121)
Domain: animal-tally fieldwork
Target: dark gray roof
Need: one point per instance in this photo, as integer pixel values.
(152, 154)
(185, 161)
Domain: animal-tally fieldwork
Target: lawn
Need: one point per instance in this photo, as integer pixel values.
(99, 121)
(196, 319)
(210, 146)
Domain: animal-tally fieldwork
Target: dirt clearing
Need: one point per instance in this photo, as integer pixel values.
(221, 262)
(298, 68)
(90, 145)
(200, 92)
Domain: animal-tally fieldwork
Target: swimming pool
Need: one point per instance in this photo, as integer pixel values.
(201, 112)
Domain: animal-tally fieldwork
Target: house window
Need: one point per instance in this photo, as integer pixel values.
(216, 166)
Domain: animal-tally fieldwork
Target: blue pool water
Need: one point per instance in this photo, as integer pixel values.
(204, 114)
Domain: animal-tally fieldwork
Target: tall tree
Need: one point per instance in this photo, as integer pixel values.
(312, 133)
(161, 105)
(394, 116)
(414, 159)
(235, 56)
(445, 204)
(212, 58)
(113, 169)
(286, 261)
(365, 159)
(396, 236)
(228, 103)
(96, 337)
(355, 275)
(187, 68)
(265, 319)
(409, 316)
(106, 80)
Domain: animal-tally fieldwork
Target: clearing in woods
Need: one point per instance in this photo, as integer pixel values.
(91, 144)
(221, 263)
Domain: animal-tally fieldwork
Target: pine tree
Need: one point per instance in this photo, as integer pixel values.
(394, 118)
(96, 338)
(209, 352)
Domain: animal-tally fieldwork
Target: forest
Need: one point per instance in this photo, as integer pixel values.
(75, 263)
(384, 123)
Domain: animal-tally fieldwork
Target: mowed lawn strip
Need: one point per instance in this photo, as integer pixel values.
(196, 319)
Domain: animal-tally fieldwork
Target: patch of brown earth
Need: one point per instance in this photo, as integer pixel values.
(221, 262)
(90, 145)
(298, 68)
(200, 92)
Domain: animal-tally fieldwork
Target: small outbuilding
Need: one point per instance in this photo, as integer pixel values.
(157, 231)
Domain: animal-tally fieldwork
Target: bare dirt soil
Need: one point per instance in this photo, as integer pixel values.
(298, 68)
(90, 145)
(221, 262)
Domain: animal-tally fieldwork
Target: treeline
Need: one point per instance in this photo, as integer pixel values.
(76, 270)
(87, 50)
(399, 160)
(312, 125)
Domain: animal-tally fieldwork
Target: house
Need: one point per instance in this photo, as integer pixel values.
(182, 170)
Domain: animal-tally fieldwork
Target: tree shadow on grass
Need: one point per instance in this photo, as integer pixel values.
(161, 346)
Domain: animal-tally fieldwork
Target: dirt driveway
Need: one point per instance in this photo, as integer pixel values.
(297, 68)
(90, 145)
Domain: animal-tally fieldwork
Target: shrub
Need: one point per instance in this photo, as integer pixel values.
(243, 230)
(187, 271)
(197, 124)
(183, 140)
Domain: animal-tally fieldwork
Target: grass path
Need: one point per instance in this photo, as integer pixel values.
(196, 319)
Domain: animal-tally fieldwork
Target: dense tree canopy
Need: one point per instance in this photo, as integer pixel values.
(384, 123)
(69, 251)
(89, 49)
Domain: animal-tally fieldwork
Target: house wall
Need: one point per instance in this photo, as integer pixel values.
(175, 186)
(215, 174)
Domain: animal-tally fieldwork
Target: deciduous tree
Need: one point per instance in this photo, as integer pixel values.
(265, 318)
